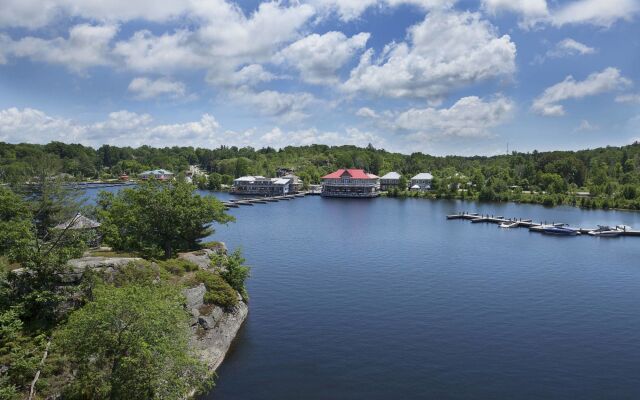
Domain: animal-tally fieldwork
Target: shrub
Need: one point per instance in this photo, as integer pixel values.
(219, 292)
(178, 266)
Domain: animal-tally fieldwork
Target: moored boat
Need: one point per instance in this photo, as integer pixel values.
(508, 224)
(606, 231)
(560, 229)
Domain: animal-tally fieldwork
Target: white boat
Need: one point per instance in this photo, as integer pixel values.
(606, 231)
(509, 225)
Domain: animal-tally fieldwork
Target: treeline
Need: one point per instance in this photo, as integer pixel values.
(610, 175)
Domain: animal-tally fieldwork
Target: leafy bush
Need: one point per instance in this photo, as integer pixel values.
(178, 266)
(235, 273)
(219, 292)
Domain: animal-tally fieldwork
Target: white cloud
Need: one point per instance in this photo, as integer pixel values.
(348, 10)
(570, 47)
(320, 57)
(224, 41)
(125, 128)
(608, 80)
(304, 137)
(144, 88)
(366, 112)
(86, 46)
(565, 48)
(288, 107)
(469, 117)
(445, 51)
(249, 75)
(167, 53)
(28, 124)
(586, 126)
(531, 11)
(597, 12)
(633, 98)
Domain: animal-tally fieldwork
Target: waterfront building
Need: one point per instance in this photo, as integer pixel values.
(259, 185)
(390, 181)
(159, 174)
(350, 183)
(422, 181)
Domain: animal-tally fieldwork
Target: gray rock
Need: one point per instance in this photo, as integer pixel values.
(212, 346)
(195, 296)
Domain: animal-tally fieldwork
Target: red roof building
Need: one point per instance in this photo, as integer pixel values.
(350, 183)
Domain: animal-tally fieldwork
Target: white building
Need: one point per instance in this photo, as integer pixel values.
(390, 181)
(259, 185)
(422, 181)
(159, 174)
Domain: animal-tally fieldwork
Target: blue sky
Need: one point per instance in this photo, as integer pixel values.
(436, 76)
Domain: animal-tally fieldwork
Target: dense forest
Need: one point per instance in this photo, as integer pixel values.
(603, 177)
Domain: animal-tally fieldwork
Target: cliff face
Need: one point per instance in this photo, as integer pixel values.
(212, 328)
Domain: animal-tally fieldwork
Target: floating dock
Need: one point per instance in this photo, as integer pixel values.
(235, 203)
(522, 223)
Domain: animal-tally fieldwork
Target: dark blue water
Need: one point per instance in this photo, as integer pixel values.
(384, 299)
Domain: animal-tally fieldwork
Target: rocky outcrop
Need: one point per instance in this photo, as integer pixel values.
(212, 328)
(108, 265)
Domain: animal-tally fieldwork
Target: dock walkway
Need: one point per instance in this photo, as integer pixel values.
(235, 203)
(521, 223)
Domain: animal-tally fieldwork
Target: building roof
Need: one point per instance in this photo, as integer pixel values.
(157, 172)
(353, 173)
(423, 175)
(415, 187)
(391, 175)
(79, 222)
(281, 181)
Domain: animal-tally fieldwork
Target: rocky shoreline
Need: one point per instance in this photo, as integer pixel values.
(213, 328)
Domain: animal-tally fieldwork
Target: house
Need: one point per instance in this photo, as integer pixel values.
(350, 183)
(390, 181)
(80, 223)
(422, 181)
(259, 185)
(159, 174)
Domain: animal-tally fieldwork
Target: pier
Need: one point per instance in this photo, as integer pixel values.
(236, 203)
(522, 223)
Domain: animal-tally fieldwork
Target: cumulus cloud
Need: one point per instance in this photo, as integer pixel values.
(132, 129)
(348, 10)
(444, 52)
(565, 48)
(287, 107)
(224, 41)
(633, 98)
(366, 112)
(86, 46)
(596, 12)
(531, 11)
(144, 88)
(469, 117)
(570, 47)
(607, 80)
(319, 57)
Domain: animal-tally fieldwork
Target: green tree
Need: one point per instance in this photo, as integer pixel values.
(131, 343)
(235, 272)
(157, 219)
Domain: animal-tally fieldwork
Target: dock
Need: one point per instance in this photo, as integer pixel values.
(236, 203)
(521, 223)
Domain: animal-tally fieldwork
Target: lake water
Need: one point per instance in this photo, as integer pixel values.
(385, 299)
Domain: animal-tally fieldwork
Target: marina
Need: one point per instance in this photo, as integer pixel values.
(544, 226)
(235, 203)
